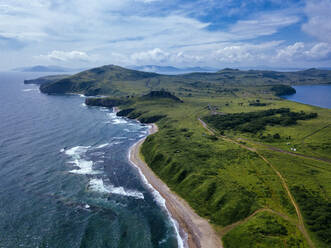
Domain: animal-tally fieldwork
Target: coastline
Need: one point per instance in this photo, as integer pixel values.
(195, 231)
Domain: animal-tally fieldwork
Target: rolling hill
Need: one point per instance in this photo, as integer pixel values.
(235, 169)
(119, 81)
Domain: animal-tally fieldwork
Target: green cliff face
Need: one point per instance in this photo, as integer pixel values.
(107, 102)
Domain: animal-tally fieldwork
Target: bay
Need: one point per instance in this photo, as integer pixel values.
(316, 95)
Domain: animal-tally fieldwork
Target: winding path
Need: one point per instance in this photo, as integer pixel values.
(228, 228)
(276, 149)
(300, 224)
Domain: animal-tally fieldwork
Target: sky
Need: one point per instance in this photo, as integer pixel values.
(181, 33)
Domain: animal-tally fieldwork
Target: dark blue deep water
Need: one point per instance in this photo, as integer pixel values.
(317, 95)
(65, 179)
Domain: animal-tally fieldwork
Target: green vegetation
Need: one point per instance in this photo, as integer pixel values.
(256, 121)
(225, 178)
(265, 230)
(203, 178)
(283, 90)
(125, 112)
(117, 81)
(105, 102)
(46, 79)
(161, 94)
(257, 103)
(310, 185)
(317, 211)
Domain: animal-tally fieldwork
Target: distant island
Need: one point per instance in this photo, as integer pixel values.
(255, 165)
(171, 70)
(51, 68)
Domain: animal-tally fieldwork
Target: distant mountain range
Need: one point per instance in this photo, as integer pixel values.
(171, 69)
(280, 69)
(50, 68)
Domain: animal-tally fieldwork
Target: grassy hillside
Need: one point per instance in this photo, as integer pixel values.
(46, 79)
(253, 186)
(118, 81)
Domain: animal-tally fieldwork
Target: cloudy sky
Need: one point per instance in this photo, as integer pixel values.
(215, 33)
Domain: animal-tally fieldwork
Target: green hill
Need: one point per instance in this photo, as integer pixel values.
(46, 79)
(117, 81)
(267, 158)
(96, 81)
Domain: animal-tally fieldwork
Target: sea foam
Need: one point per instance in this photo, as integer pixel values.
(98, 185)
(160, 201)
(115, 119)
(102, 146)
(27, 90)
(104, 109)
(85, 167)
(119, 138)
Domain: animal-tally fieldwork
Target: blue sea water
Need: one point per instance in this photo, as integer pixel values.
(65, 178)
(317, 95)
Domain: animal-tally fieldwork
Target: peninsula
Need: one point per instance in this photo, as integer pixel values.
(254, 166)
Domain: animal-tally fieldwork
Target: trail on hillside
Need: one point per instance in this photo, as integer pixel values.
(228, 228)
(315, 132)
(269, 147)
(300, 225)
(276, 149)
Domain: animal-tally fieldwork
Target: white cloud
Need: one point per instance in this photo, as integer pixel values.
(319, 51)
(244, 52)
(159, 56)
(302, 51)
(66, 56)
(128, 32)
(156, 55)
(319, 19)
(234, 54)
(263, 24)
(290, 51)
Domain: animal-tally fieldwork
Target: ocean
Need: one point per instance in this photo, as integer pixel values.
(65, 178)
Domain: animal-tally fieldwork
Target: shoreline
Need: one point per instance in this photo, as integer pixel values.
(195, 231)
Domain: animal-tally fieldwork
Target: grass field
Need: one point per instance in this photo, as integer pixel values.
(226, 183)
(241, 181)
(265, 230)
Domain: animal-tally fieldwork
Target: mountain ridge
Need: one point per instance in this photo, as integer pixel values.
(119, 81)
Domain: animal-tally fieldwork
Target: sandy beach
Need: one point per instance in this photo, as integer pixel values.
(196, 230)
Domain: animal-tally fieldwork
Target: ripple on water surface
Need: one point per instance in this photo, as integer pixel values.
(65, 177)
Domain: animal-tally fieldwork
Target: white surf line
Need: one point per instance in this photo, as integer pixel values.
(157, 196)
(160, 200)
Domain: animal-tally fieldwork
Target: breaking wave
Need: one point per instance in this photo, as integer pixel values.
(85, 167)
(98, 185)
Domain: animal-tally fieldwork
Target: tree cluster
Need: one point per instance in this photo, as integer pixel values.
(253, 122)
